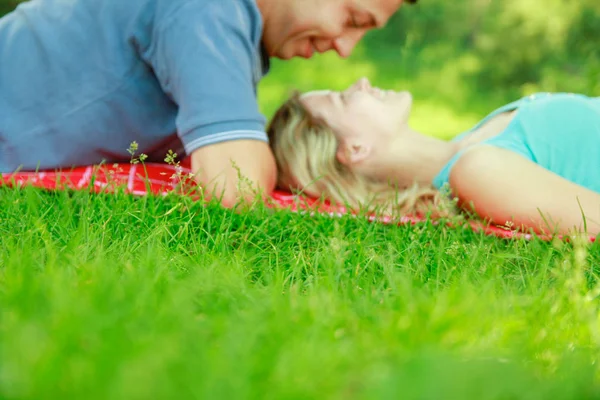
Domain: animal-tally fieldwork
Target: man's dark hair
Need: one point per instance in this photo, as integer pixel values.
(411, 1)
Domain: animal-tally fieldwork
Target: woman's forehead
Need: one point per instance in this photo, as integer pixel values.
(320, 103)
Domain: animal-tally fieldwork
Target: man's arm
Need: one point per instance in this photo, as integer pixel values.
(235, 170)
(503, 186)
(205, 56)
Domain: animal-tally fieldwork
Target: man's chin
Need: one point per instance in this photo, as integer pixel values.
(283, 55)
(304, 56)
(288, 55)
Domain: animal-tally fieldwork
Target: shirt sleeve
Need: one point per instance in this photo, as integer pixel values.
(206, 60)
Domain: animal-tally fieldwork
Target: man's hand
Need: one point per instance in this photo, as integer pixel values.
(235, 170)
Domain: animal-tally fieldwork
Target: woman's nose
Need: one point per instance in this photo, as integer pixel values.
(361, 84)
(364, 83)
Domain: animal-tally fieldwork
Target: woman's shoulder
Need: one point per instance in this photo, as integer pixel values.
(542, 118)
(564, 114)
(543, 100)
(506, 108)
(563, 103)
(472, 158)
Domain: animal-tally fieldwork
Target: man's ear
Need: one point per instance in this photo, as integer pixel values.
(353, 153)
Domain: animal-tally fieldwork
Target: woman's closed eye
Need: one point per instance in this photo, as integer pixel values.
(346, 96)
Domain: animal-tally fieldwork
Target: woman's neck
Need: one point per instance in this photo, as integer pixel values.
(414, 157)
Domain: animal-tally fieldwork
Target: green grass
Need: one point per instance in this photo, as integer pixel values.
(136, 298)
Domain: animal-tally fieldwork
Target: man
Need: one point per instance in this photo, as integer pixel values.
(80, 80)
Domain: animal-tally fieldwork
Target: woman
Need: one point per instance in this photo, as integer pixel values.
(531, 164)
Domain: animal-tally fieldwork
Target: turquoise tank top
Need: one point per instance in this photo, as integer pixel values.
(559, 132)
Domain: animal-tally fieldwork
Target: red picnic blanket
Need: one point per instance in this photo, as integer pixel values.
(160, 179)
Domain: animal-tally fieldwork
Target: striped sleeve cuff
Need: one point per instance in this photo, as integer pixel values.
(225, 137)
(219, 133)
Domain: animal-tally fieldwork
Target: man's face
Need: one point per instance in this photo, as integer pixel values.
(299, 28)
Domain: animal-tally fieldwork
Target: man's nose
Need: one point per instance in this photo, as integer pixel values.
(344, 45)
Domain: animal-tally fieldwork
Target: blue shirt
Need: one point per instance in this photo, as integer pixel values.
(80, 80)
(560, 132)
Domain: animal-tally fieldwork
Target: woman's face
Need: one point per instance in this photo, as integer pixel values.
(361, 114)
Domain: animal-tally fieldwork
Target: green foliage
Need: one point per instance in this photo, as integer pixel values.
(521, 44)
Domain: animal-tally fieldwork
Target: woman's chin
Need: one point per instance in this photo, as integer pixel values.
(403, 104)
(406, 96)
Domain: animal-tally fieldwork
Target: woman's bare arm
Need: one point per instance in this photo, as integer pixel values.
(504, 187)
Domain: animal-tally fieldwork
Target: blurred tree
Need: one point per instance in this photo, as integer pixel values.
(518, 44)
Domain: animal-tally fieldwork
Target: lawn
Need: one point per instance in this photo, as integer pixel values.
(110, 296)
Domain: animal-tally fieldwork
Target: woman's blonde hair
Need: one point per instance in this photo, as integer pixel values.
(305, 151)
